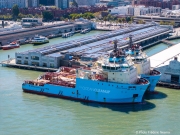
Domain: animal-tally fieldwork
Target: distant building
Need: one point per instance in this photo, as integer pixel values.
(47, 2)
(123, 10)
(32, 3)
(62, 4)
(116, 3)
(175, 7)
(136, 11)
(142, 10)
(30, 22)
(10, 3)
(159, 3)
(87, 2)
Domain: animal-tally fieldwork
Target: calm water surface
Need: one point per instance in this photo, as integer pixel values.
(28, 114)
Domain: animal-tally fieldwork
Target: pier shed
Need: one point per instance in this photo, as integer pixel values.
(168, 63)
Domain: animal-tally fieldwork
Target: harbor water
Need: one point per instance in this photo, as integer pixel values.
(29, 114)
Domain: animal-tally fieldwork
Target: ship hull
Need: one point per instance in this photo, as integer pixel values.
(40, 43)
(153, 79)
(9, 47)
(92, 91)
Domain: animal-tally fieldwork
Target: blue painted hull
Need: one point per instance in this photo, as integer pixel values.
(153, 79)
(92, 91)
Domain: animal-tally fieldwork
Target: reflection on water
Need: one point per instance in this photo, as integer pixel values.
(155, 49)
(156, 95)
(23, 113)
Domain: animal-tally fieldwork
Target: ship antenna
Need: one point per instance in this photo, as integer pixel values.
(130, 41)
(115, 45)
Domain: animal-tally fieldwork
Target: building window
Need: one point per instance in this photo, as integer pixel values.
(51, 65)
(34, 58)
(44, 64)
(35, 63)
(26, 62)
(19, 57)
(18, 61)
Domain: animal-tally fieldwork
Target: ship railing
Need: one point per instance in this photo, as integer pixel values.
(142, 81)
(154, 72)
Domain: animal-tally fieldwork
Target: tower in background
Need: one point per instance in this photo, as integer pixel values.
(32, 3)
(47, 2)
(62, 4)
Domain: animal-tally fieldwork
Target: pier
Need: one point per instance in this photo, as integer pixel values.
(163, 58)
(167, 62)
(168, 42)
(93, 47)
(27, 33)
(12, 63)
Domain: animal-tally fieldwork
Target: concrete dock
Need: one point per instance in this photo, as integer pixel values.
(164, 57)
(12, 63)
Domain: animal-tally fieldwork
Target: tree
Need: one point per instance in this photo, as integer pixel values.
(119, 20)
(108, 17)
(20, 16)
(105, 19)
(15, 10)
(172, 23)
(140, 22)
(123, 20)
(128, 19)
(61, 18)
(47, 15)
(161, 23)
(97, 15)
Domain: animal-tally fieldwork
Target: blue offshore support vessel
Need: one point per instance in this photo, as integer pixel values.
(110, 80)
(143, 66)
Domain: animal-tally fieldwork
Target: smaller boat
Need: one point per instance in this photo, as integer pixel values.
(51, 36)
(12, 45)
(37, 40)
(66, 35)
(84, 31)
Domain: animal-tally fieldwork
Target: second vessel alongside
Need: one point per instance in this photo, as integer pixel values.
(143, 66)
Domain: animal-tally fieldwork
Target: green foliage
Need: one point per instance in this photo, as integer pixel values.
(87, 15)
(97, 15)
(75, 16)
(141, 22)
(38, 16)
(6, 17)
(15, 10)
(20, 16)
(167, 23)
(61, 18)
(47, 15)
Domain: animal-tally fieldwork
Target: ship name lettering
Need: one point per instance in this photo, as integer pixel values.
(96, 90)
